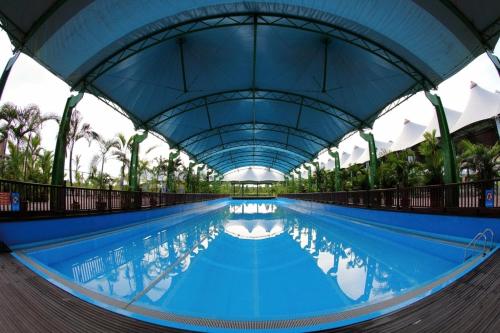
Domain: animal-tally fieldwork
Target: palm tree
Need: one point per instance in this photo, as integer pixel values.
(8, 114)
(160, 169)
(483, 161)
(105, 147)
(121, 154)
(433, 158)
(142, 168)
(21, 125)
(77, 131)
(78, 175)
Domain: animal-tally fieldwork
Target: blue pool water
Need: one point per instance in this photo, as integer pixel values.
(249, 261)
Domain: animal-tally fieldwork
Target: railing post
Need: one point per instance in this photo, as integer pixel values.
(110, 188)
(62, 198)
(397, 197)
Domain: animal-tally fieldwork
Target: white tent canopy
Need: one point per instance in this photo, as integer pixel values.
(482, 104)
(452, 117)
(254, 174)
(411, 134)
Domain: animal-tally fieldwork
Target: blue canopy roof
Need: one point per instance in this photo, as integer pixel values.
(240, 83)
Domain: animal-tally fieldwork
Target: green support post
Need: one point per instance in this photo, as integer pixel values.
(189, 177)
(292, 187)
(372, 148)
(494, 59)
(134, 160)
(309, 178)
(447, 147)
(300, 179)
(62, 137)
(6, 71)
(318, 170)
(336, 160)
(198, 177)
(171, 170)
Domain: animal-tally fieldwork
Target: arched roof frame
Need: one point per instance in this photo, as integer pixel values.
(267, 144)
(248, 152)
(183, 29)
(461, 34)
(260, 126)
(252, 94)
(281, 165)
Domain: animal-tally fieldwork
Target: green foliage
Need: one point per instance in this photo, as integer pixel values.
(432, 158)
(482, 161)
(26, 159)
(399, 169)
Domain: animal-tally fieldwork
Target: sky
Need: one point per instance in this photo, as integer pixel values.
(30, 83)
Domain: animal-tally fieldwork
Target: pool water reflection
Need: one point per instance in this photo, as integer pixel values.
(252, 261)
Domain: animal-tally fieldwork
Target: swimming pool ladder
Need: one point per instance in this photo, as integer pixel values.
(483, 235)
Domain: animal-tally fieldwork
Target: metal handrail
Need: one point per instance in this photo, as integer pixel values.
(478, 236)
(488, 230)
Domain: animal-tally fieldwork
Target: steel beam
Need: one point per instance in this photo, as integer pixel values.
(134, 160)
(251, 95)
(62, 140)
(447, 147)
(180, 41)
(372, 148)
(6, 71)
(279, 146)
(494, 59)
(182, 29)
(266, 154)
(200, 136)
(336, 160)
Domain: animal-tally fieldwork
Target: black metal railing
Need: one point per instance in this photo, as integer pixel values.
(30, 200)
(471, 198)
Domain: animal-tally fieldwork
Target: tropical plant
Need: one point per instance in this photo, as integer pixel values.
(483, 161)
(21, 126)
(432, 158)
(399, 168)
(142, 169)
(358, 177)
(78, 130)
(105, 147)
(121, 154)
(78, 175)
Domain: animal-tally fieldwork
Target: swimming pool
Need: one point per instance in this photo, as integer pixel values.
(254, 265)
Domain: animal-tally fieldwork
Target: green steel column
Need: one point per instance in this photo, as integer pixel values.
(318, 178)
(198, 177)
(60, 151)
(336, 160)
(494, 60)
(447, 147)
(134, 160)
(189, 177)
(171, 170)
(299, 173)
(372, 175)
(292, 189)
(309, 178)
(6, 71)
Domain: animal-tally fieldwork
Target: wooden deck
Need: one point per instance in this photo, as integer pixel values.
(31, 304)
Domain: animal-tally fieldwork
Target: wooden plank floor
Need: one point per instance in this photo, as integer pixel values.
(28, 303)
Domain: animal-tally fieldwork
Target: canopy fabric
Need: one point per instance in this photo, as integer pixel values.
(239, 83)
(482, 104)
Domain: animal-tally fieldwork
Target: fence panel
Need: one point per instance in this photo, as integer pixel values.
(21, 200)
